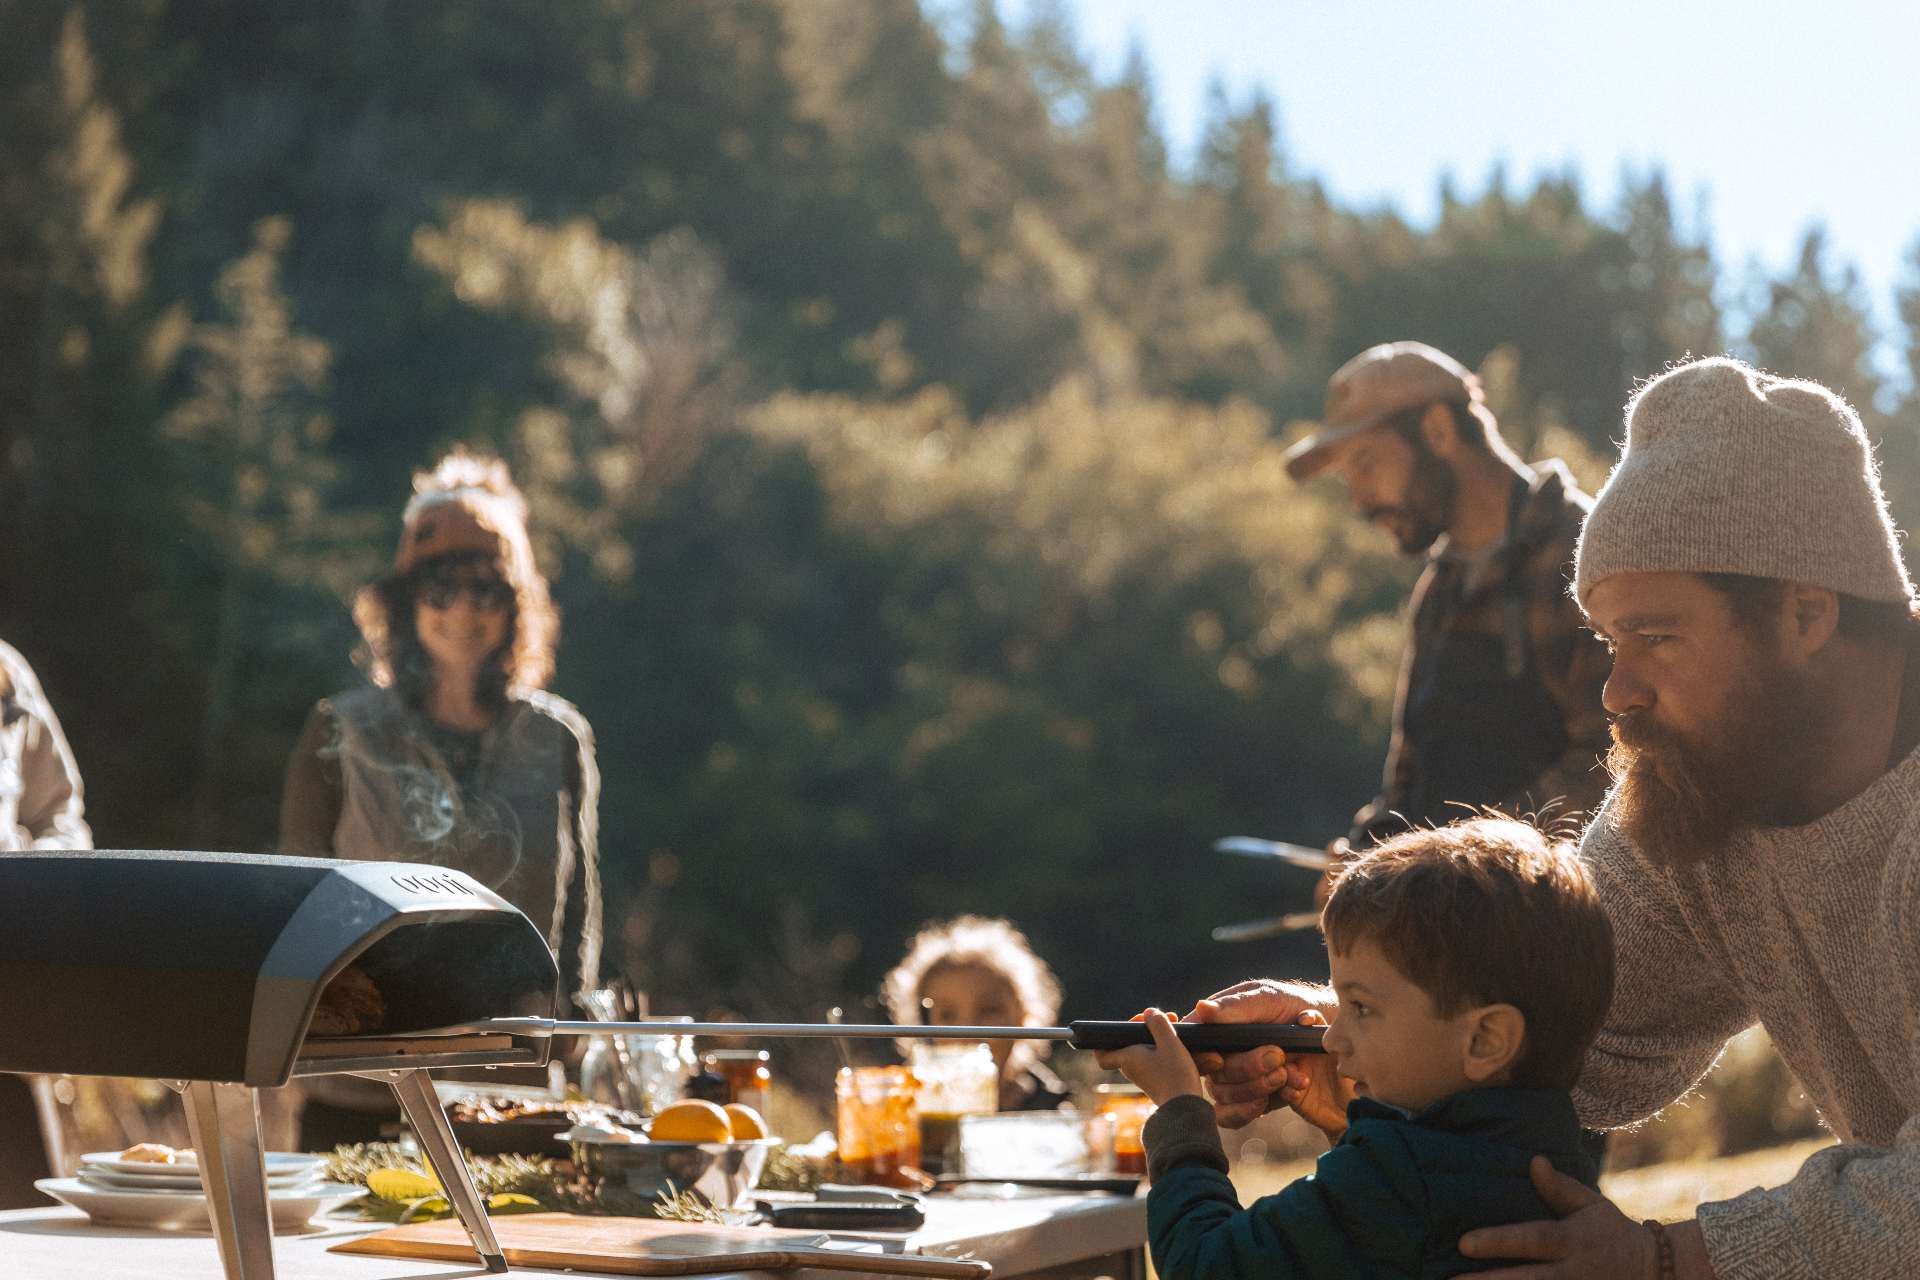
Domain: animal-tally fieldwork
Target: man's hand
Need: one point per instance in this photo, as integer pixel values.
(1245, 1086)
(1341, 852)
(1164, 1071)
(1591, 1239)
(1322, 1100)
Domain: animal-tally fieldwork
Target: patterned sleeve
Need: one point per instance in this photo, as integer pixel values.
(1573, 664)
(1378, 818)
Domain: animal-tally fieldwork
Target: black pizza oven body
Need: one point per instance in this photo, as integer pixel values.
(208, 966)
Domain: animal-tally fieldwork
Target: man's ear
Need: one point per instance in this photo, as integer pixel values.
(1496, 1033)
(1440, 432)
(1813, 615)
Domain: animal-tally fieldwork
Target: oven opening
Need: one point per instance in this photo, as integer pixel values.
(432, 974)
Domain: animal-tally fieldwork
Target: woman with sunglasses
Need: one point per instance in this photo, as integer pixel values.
(455, 754)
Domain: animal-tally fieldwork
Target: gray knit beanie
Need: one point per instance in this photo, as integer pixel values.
(1730, 470)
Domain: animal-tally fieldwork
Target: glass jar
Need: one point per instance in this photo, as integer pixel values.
(878, 1126)
(953, 1079)
(642, 1072)
(1125, 1108)
(749, 1079)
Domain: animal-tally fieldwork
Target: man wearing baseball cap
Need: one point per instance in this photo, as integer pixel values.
(1759, 855)
(1499, 697)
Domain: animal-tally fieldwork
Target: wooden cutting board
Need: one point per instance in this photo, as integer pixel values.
(646, 1247)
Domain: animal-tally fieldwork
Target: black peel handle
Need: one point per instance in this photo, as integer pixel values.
(1202, 1037)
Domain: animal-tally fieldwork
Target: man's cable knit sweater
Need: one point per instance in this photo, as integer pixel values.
(1814, 932)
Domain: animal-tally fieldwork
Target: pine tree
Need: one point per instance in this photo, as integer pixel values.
(253, 431)
(1813, 323)
(74, 375)
(1900, 449)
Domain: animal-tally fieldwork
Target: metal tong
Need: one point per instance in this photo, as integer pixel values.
(1293, 855)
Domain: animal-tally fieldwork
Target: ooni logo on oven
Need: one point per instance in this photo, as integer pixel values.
(432, 884)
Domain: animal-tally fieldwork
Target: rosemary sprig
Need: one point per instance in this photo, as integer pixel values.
(676, 1205)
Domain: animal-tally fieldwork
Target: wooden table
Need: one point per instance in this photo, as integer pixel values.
(1074, 1237)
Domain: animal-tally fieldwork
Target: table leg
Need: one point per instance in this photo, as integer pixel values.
(224, 1120)
(435, 1135)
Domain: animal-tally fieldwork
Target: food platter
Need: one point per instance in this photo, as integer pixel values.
(497, 1123)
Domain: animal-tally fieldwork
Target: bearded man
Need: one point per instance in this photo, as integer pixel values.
(1499, 697)
(1759, 855)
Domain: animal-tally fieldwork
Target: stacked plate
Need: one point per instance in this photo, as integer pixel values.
(141, 1193)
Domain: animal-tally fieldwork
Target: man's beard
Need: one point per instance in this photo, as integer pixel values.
(1680, 800)
(1423, 513)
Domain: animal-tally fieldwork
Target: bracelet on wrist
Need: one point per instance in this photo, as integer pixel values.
(1663, 1250)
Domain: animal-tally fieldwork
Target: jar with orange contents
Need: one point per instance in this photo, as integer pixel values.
(749, 1079)
(1125, 1108)
(878, 1126)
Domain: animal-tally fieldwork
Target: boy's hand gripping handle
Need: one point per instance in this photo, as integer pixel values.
(1202, 1037)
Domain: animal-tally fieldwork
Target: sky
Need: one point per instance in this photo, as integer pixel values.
(1766, 116)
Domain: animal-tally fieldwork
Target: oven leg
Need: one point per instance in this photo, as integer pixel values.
(429, 1121)
(224, 1120)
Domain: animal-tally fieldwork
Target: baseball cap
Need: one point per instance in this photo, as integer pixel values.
(1372, 387)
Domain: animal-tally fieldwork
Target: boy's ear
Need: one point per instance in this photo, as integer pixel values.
(1496, 1035)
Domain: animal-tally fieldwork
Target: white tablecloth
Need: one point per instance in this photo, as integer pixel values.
(1016, 1236)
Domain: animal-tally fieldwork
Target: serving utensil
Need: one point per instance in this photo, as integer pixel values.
(1293, 855)
(1273, 927)
(1296, 855)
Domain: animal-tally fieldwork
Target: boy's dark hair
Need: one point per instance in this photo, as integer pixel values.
(1488, 911)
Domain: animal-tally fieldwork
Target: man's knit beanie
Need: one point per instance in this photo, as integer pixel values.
(1730, 470)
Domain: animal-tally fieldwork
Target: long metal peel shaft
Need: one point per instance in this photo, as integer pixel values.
(1215, 1037)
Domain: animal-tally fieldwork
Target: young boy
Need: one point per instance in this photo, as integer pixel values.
(1473, 965)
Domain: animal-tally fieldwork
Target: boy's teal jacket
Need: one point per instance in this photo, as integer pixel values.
(1391, 1199)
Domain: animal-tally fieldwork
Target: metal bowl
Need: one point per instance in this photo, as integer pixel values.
(638, 1174)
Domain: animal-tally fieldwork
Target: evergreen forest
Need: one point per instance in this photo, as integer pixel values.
(901, 424)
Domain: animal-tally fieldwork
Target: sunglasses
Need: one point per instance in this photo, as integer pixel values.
(488, 594)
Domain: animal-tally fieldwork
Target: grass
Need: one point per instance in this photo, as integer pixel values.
(1670, 1190)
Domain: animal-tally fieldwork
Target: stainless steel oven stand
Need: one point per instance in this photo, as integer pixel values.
(224, 1120)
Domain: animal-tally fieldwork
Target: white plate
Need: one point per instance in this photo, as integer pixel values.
(183, 1181)
(281, 1164)
(291, 1210)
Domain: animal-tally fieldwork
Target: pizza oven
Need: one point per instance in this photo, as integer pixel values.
(223, 973)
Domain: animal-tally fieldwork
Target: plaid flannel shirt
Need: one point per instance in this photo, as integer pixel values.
(1536, 747)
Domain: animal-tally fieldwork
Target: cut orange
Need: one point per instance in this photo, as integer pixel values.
(692, 1121)
(747, 1123)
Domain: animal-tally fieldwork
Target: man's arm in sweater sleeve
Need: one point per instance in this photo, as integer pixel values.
(1672, 1011)
(1852, 1210)
(1197, 1230)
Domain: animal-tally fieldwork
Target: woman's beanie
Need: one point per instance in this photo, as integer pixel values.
(1730, 470)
